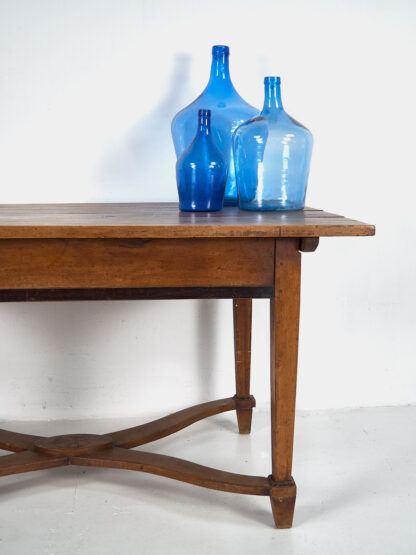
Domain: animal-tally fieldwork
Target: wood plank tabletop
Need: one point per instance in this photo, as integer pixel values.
(164, 220)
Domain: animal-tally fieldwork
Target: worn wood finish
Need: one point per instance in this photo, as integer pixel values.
(13, 441)
(284, 330)
(139, 435)
(308, 244)
(28, 461)
(178, 469)
(64, 450)
(283, 499)
(95, 263)
(112, 451)
(242, 313)
(164, 220)
(73, 444)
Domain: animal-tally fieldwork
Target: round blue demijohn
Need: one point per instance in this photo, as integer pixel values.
(228, 111)
(272, 154)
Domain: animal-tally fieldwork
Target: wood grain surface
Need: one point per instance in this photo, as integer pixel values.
(284, 336)
(135, 263)
(178, 469)
(151, 431)
(242, 318)
(28, 461)
(164, 220)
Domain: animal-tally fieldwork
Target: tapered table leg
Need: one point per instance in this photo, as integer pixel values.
(242, 353)
(284, 329)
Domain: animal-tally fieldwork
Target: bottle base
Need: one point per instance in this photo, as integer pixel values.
(271, 206)
(199, 209)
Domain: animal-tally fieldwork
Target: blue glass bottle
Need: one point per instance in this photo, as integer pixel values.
(228, 109)
(201, 171)
(272, 155)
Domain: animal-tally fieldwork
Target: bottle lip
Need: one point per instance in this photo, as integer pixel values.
(272, 80)
(220, 50)
(204, 113)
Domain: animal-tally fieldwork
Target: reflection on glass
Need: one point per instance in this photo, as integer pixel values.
(201, 170)
(272, 155)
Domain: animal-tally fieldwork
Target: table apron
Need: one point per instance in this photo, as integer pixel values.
(136, 263)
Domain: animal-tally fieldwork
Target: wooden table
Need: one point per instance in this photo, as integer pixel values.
(153, 251)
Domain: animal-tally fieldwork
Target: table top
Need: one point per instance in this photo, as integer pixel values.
(164, 220)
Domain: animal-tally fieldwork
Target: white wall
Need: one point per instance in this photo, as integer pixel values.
(87, 92)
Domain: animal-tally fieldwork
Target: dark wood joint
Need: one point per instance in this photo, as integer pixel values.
(308, 244)
(244, 403)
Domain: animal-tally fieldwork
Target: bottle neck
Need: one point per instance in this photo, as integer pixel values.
(219, 79)
(272, 98)
(204, 125)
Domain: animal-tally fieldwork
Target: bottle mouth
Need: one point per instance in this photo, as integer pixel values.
(203, 113)
(220, 50)
(272, 81)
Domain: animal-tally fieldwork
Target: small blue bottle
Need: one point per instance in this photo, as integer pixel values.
(201, 171)
(272, 155)
(228, 110)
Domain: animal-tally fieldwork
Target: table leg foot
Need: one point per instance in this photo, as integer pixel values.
(282, 499)
(244, 420)
(244, 410)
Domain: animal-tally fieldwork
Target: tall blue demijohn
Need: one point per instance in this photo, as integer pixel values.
(201, 170)
(272, 155)
(228, 110)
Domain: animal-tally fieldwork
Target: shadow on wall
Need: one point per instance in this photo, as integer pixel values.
(134, 173)
(81, 360)
(142, 169)
(65, 336)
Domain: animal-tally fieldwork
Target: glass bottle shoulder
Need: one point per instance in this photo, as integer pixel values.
(202, 145)
(231, 106)
(278, 120)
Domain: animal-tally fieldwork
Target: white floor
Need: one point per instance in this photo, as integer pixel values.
(355, 471)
